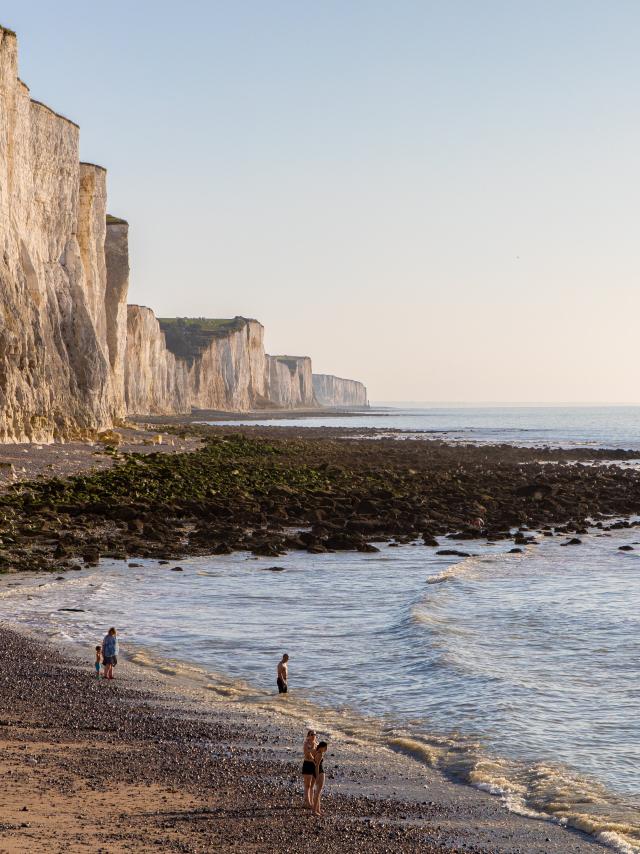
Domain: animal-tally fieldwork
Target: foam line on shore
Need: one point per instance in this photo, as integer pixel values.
(457, 757)
(541, 792)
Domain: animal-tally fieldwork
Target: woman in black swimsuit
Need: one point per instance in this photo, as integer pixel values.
(318, 758)
(309, 768)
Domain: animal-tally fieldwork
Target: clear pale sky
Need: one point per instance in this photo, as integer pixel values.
(438, 198)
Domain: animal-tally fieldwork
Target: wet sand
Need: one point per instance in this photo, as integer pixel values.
(149, 763)
(199, 416)
(25, 462)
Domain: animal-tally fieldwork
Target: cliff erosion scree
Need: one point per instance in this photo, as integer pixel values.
(74, 358)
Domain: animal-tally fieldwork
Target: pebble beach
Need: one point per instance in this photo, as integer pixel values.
(143, 763)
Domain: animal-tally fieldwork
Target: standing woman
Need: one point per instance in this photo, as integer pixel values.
(309, 768)
(318, 758)
(109, 652)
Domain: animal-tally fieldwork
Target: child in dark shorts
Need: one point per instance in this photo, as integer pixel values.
(98, 660)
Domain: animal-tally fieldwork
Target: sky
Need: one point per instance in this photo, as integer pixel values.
(437, 198)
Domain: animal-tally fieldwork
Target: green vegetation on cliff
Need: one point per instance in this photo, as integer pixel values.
(187, 337)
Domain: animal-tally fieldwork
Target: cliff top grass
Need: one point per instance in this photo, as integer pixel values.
(7, 31)
(188, 337)
(292, 362)
(115, 220)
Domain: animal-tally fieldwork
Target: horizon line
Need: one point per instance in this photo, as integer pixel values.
(487, 403)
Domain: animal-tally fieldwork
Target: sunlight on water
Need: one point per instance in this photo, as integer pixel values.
(517, 672)
(527, 426)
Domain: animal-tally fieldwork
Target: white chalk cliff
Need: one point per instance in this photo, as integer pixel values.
(289, 382)
(336, 391)
(155, 381)
(74, 359)
(225, 360)
(56, 374)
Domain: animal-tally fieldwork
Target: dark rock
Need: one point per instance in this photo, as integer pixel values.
(344, 542)
(294, 543)
(368, 507)
(537, 491)
(222, 549)
(266, 550)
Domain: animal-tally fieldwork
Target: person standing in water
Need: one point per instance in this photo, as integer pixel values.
(109, 652)
(318, 757)
(283, 674)
(309, 768)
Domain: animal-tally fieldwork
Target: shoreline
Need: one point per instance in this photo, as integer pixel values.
(275, 495)
(202, 416)
(556, 793)
(230, 766)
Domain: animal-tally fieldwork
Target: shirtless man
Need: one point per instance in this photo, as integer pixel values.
(283, 674)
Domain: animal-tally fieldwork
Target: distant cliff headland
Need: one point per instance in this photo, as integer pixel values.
(74, 357)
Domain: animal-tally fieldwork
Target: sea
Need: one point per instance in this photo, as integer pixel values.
(523, 425)
(515, 673)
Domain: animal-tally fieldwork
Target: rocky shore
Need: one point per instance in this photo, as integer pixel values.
(272, 490)
(144, 764)
(141, 765)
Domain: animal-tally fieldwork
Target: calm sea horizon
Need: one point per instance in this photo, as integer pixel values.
(526, 425)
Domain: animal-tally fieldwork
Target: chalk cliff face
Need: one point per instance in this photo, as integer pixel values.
(156, 383)
(56, 378)
(116, 249)
(225, 360)
(289, 381)
(73, 358)
(175, 364)
(335, 391)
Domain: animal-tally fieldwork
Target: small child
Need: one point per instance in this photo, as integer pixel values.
(98, 660)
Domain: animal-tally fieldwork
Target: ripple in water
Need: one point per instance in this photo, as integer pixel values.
(527, 426)
(518, 673)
